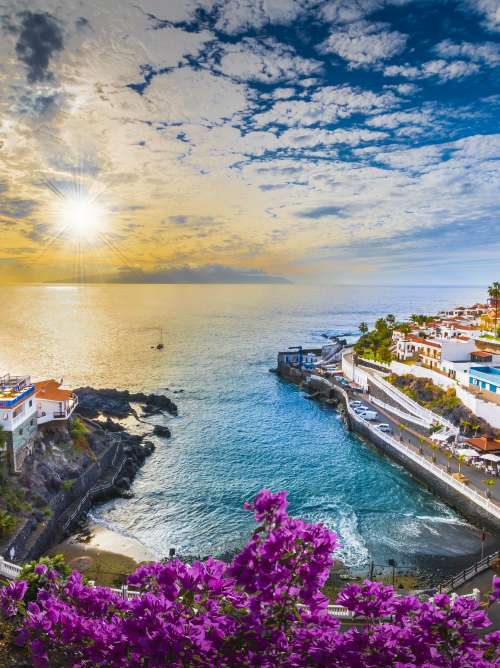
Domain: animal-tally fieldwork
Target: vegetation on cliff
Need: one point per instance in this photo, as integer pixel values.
(441, 401)
(376, 344)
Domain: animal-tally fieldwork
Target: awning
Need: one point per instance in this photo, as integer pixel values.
(491, 457)
(467, 452)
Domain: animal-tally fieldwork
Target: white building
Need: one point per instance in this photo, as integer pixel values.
(53, 403)
(18, 418)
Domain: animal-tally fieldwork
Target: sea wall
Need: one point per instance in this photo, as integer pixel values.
(426, 476)
(448, 490)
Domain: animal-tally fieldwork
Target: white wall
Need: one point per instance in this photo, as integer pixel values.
(422, 372)
(483, 409)
(354, 373)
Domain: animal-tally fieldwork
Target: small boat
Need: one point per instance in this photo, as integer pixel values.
(160, 345)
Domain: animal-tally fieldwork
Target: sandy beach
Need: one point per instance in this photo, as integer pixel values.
(103, 555)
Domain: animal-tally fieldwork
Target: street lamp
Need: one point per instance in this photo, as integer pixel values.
(392, 563)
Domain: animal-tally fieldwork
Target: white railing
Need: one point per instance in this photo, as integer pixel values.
(8, 570)
(395, 411)
(485, 504)
(410, 405)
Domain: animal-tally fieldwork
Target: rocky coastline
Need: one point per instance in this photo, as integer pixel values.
(74, 466)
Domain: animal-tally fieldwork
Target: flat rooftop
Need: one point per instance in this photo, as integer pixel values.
(13, 388)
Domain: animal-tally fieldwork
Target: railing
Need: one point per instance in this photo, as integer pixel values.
(13, 571)
(96, 489)
(410, 405)
(485, 504)
(468, 573)
(400, 414)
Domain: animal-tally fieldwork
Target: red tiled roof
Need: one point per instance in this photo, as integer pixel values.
(483, 443)
(50, 390)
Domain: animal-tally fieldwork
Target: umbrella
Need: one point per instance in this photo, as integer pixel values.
(491, 457)
(467, 452)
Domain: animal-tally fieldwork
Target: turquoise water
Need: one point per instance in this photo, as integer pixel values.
(239, 427)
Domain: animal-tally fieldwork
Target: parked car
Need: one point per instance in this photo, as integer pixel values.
(383, 426)
(369, 415)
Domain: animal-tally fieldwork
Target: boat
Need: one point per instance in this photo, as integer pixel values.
(160, 345)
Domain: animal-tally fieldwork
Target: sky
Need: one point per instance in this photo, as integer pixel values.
(316, 141)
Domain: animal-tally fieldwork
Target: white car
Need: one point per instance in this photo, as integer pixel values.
(386, 428)
(369, 415)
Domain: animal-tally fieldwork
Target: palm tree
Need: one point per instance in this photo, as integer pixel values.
(434, 447)
(490, 483)
(465, 424)
(363, 328)
(475, 428)
(391, 320)
(461, 460)
(494, 294)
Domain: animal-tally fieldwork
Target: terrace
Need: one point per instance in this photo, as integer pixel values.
(14, 389)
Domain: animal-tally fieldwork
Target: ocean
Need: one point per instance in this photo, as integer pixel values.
(239, 427)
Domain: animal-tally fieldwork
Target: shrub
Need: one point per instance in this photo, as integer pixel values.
(264, 610)
(7, 523)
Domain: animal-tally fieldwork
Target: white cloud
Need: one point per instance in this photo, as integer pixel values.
(406, 89)
(267, 61)
(194, 96)
(489, 10)
(306, 137)
(485, 52)
(326, 105)
(363, 43)
(395, 120)
(347, 11)
(442, 69)
(238, 16)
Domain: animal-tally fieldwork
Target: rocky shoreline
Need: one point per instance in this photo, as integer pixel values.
(74, 466)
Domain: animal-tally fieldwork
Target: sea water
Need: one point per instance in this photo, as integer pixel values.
(239, 428)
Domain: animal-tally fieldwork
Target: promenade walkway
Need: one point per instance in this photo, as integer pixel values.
(417, 442)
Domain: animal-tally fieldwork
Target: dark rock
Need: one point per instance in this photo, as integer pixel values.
(116, 403)
(160, 430)
(110, 425)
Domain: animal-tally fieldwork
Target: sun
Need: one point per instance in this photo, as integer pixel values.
(82, 217)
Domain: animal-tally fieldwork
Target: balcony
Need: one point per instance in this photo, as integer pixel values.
(60, 412)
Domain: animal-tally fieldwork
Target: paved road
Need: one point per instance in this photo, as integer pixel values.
(416, 441)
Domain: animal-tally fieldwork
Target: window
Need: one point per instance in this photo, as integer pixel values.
(31, 402)
(20, 432)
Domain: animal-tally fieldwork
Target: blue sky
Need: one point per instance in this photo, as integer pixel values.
(323, 141)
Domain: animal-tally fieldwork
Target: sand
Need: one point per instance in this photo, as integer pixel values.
(103, 555)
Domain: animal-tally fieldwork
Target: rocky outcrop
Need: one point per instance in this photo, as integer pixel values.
(160, 430)
(71, 469)
(117, 403)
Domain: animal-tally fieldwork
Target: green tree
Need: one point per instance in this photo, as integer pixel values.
(7, 523)
(461, 460)
(490, 483)
(434, 448)
(465, 425)
(363, 328)
(391, 320)
(494, 294)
